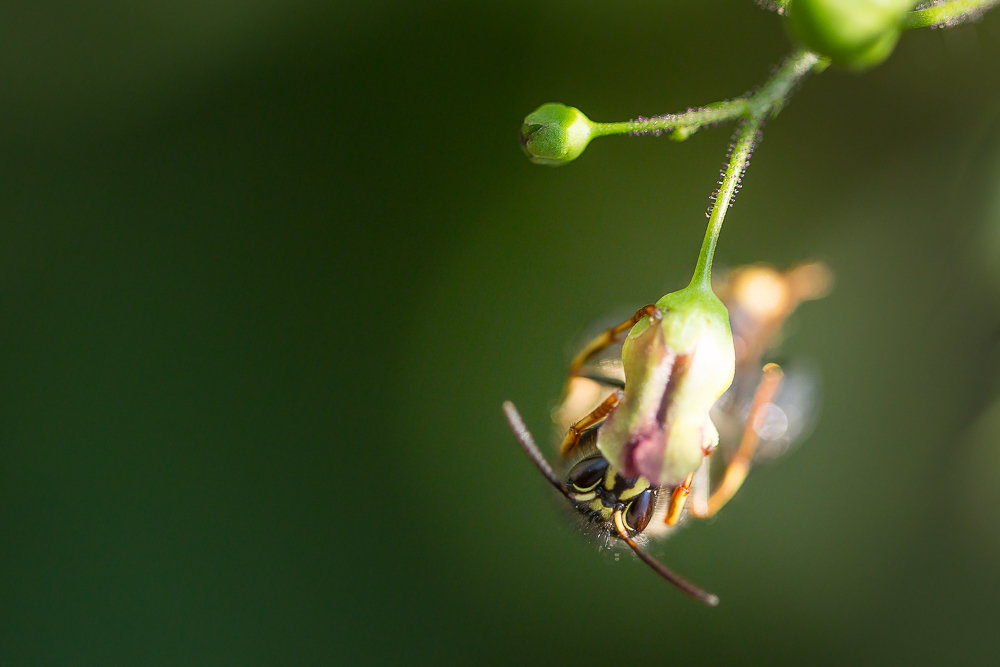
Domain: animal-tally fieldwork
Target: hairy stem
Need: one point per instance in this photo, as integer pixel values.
(681, 123)
(746, 137)
(947, 13)
(768, 99)
(763, 104)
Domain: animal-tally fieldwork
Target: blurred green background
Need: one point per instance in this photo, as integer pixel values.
(269, 268)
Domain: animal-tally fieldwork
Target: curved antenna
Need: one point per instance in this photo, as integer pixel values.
(523, 436)
(699, 594)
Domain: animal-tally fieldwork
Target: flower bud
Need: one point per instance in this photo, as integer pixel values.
(857, 34)
(554, 134)
(676, 366)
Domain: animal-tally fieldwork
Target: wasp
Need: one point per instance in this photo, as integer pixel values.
(647, 440)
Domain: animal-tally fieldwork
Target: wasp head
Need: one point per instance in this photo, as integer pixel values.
(632, 500)
(597, 491)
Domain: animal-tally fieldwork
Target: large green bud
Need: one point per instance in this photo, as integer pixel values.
(554, 134)
(857, 34)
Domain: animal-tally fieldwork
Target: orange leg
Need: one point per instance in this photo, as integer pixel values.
(609, 336)
(596, 416)
(677, 500)
(739, 466)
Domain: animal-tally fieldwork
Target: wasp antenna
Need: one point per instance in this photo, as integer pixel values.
(711, 599)
(523, 436)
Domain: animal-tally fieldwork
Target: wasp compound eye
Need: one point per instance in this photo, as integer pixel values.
(587, 474)
(639, 511)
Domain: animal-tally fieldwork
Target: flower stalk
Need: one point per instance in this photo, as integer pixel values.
(947, 14)
(764, 104)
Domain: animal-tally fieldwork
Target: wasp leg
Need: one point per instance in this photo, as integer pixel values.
(584, 385)
(596, 416)
(738, 467)
(609, 336)
(677, 500)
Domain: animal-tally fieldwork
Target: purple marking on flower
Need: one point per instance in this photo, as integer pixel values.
(644, 452)
(647, 446)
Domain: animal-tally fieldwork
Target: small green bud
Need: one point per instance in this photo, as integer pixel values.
(857, 34)
(677, 364)
(682, 133)
(554, 134)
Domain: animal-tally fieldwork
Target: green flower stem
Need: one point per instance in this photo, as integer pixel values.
(746, 137)
(763, 104)
(768, 99)
(681, 124)
(948, 13)
(555, 134)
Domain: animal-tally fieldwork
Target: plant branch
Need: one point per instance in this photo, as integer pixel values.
(681, 125)
(948, 13)
(767, 100)
(763, 104)
(770, 98)
(746, 138)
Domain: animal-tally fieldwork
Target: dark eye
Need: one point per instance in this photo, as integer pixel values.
(639, 511)
(587, 474)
